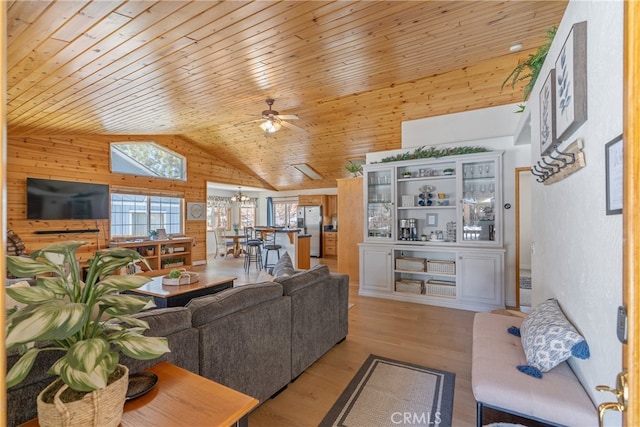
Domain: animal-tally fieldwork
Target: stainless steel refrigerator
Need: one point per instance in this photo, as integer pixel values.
(310, 221)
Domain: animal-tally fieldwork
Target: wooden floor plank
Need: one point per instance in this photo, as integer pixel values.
(435, 337)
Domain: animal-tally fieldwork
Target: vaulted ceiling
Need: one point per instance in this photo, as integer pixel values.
(351, 70)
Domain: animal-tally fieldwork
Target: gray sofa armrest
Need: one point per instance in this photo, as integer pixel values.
(319, 310)
(165, 321)
(174, 324)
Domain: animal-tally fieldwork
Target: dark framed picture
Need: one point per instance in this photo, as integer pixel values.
(614, 164)
(548, 114)
(571, 82)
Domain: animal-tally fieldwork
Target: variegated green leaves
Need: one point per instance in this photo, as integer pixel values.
(89, 321)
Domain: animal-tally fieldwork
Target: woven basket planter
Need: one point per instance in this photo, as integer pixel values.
(100, 408)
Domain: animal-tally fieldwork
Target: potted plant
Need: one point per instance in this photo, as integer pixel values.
(448, 171)
(530, 68)
(151, 250)
(89, 322)
(354, 168)
(172, 262)
(153, 234)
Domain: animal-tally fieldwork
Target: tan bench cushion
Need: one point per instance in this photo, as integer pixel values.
(558, 397)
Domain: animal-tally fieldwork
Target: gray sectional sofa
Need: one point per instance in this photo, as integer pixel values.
(254, 338)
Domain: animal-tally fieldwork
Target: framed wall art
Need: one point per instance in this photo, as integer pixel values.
(548, 114)
(614, 163)
(196, 211)
(432, 220)
(571, 82)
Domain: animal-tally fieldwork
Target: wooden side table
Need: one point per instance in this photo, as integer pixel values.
(182, 398)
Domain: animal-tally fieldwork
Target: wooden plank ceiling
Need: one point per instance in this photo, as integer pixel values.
(351, 70)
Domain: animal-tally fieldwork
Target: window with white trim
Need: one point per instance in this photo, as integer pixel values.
(285, 213)
(133, 213)
(147, 158)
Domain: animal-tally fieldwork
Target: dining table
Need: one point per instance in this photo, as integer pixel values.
(237, 238)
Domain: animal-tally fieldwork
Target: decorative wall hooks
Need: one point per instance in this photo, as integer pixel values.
(559, 164)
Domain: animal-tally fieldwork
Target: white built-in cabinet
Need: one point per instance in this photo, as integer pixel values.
(376, 264)
(433, 231)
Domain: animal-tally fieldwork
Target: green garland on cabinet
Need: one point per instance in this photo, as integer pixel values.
(425, 153)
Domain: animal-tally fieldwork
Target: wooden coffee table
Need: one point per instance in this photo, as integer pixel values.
(182, 398)
(178, 296)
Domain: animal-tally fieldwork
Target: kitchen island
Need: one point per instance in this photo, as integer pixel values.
(288, 239)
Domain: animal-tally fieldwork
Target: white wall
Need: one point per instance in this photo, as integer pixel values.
(578, 248)
(455, 128)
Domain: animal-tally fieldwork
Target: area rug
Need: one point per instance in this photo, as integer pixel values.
(387, 392)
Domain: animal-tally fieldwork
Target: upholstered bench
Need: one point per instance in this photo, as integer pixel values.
(556, 398)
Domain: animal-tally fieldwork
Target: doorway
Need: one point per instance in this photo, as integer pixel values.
(523, 239)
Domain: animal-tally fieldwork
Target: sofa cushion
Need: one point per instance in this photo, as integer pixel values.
(284, 266)
(211, 307)
(165, 321)
(303, 278)
(549, 339)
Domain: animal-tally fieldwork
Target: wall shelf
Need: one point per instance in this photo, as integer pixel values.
(158, 259)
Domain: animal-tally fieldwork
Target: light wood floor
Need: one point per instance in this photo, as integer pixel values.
(436, 337)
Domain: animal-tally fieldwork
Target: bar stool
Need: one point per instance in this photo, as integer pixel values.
(269, 245)
(253, 249)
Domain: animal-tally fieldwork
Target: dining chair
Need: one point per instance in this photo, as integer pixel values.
(222, 244)
(252, 249)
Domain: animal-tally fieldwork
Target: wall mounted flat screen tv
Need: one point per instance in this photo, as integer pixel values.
(51, 199)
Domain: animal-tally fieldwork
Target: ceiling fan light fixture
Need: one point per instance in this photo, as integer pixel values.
(270, 126)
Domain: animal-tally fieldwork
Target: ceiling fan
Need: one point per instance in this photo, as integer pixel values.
(272, 121)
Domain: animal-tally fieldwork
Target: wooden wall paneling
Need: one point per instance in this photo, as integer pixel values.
(350, 227)
(86, 158)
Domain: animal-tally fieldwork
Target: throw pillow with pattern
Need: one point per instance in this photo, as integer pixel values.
(549, 339)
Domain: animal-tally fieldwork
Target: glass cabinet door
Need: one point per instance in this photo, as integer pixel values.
(379, 204)
(479, 204)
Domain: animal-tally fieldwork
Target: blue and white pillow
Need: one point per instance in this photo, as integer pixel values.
(548, 339)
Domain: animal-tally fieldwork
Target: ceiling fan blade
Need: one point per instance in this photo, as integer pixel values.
(287, 117)
(247, 122)
(290, 126)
